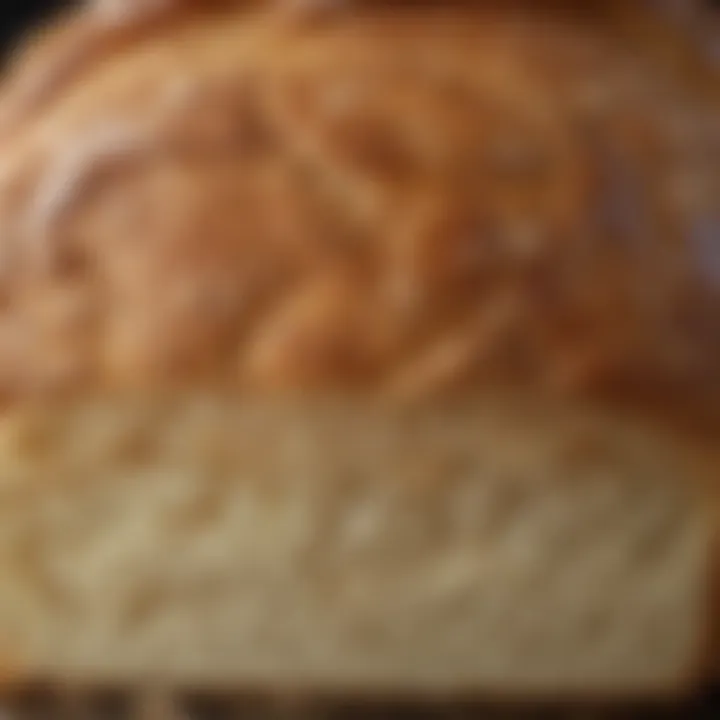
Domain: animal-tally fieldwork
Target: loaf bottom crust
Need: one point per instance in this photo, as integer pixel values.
(490, 548)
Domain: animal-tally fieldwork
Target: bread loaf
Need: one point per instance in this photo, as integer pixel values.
(373, 351)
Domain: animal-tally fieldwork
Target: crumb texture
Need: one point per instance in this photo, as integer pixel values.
(202, 541)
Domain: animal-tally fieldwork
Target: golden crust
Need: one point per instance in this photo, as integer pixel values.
(400, 200)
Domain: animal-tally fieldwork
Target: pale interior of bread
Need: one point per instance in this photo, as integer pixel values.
(485, 546)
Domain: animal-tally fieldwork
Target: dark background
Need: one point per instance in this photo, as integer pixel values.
(17, 15)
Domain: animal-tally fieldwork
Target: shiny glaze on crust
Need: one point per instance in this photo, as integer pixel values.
(404, 201)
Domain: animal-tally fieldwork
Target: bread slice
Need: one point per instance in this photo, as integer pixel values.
(369, 353)
(487, 546)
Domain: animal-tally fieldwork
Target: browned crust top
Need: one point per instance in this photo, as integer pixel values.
(399, 200)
